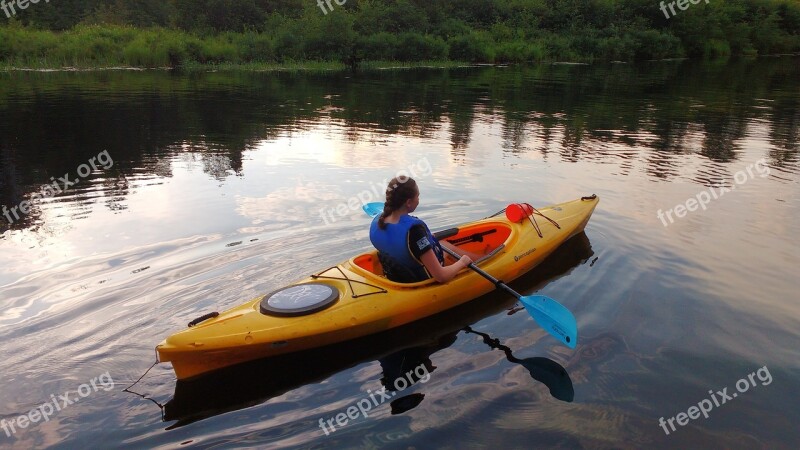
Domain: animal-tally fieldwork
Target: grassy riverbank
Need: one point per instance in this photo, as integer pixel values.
(124, 46)
(402, 31)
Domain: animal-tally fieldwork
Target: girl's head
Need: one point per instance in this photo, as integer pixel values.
(401, 192)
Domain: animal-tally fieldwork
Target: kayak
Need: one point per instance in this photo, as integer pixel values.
(353, 299)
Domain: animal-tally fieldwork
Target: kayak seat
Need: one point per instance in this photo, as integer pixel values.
(370, 263)
(383, 266)
(399, 273)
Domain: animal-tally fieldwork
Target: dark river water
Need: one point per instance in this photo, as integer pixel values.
(185, 193)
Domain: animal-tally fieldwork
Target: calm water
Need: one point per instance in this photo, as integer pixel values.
(210, 189)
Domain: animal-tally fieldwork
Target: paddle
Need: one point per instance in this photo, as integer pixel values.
(554, 317)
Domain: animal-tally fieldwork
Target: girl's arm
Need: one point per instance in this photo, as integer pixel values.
(440, 273)
(461, 251)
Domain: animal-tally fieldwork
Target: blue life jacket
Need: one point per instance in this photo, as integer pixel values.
(395, 255)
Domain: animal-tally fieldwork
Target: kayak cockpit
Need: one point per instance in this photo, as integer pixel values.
(369, 262)
(482, 238)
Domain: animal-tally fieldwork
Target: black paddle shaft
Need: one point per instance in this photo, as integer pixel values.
(494, 280)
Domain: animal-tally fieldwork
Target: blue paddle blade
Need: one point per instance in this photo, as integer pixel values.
(373, 209)
(554, 317)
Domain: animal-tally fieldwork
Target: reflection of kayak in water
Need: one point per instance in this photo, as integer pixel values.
(405, 347)
(354, 299)
(256, 382)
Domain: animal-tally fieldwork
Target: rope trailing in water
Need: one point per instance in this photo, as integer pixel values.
(127, 389)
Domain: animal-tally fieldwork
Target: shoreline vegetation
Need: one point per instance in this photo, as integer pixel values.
(372, 34)
(254, 66)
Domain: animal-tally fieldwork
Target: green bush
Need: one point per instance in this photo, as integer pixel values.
(717, 48)
(378, 47)
(329, 37)
(616, 48)
(418, 47)
(157, 48)
(469, 48)
(519, 51)
(22, 45)
(452, 28)
(77, 46)
(255, 46)
(560, 48)
(288, 45)
(653, 44)
(217, 50)
(139, 53)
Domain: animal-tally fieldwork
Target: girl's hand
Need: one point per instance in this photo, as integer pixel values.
(465, 260)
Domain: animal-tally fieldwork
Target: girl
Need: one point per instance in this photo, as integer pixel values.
(406, 248)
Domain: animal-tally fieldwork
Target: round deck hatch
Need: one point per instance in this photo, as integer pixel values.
(299, 300)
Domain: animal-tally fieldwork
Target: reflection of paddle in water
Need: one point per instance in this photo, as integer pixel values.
(544, 370)
(399, 365)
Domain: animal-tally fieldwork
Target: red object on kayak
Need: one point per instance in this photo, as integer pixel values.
(517, 212)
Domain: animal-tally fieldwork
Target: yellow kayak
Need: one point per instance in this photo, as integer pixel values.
(354, 299)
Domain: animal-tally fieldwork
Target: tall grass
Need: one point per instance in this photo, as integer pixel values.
(338, 40)
(113, 45)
